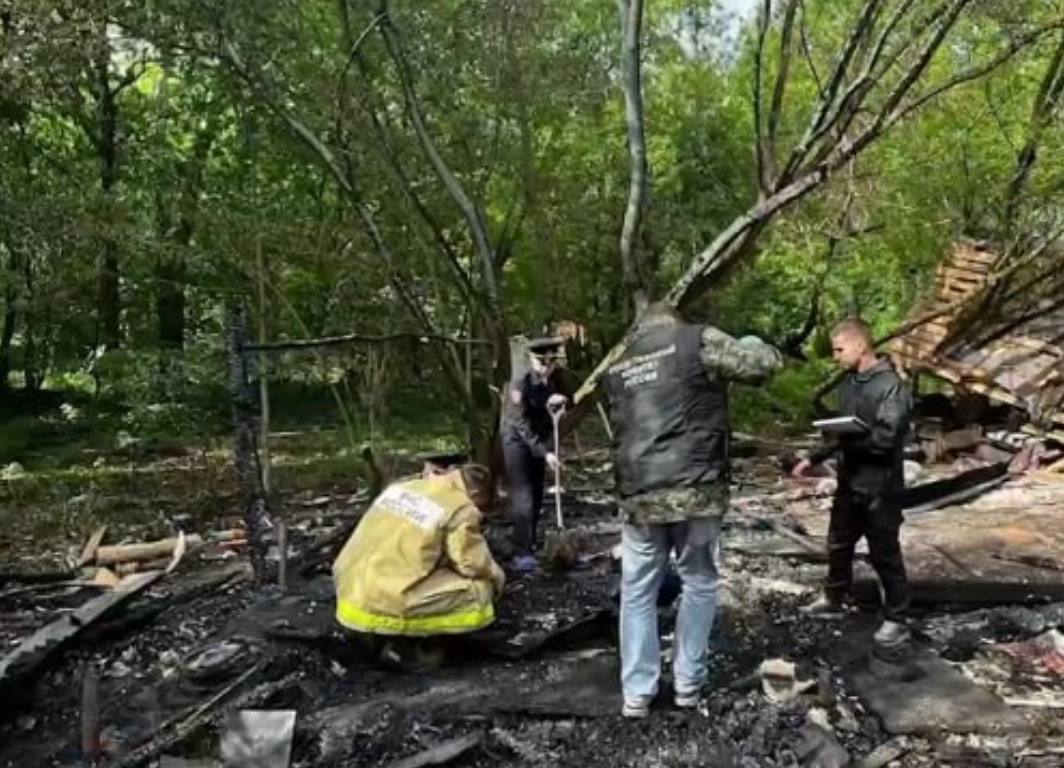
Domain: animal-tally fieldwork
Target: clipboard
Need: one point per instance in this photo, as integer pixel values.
(842, 425)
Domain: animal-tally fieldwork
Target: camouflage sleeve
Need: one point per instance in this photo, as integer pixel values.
(748, 360)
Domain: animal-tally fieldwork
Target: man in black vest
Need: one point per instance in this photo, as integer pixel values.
(528, 442)
(668, 398)
(870, 480)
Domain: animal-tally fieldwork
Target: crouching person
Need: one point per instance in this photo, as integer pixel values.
(417, 565)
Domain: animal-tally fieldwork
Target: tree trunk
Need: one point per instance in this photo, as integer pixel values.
(631, 12)
(172, 265)
(170, 275)
(7, 333)
(32, 373)
(108, 299)
(170, 310)
(1045, 107)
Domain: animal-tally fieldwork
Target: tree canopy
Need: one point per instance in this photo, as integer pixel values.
(464, 169)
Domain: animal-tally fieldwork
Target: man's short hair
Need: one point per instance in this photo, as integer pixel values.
(660, 314)
(479, 484)
(856, 327)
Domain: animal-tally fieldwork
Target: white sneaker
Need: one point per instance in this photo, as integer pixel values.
(892, 634)
(524, 564)
(636, 707)
(686, 700)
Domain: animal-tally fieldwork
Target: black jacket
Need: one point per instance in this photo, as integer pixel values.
(670, 420)
(526, 420)
(871, 464)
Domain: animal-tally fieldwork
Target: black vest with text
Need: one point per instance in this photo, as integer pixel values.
(670, 421)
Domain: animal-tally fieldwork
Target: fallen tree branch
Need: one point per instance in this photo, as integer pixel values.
(181, 726)
(151, 550)
(359, 338)
(828, 136)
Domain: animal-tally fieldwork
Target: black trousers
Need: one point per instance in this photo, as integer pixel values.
(524, 485)
(854, 515)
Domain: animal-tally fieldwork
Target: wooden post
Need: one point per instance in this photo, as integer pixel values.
(90, 715)
(264, 385)
(245, 450)
(282, 556)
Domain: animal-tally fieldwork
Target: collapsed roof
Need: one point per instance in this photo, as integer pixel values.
(994, 324)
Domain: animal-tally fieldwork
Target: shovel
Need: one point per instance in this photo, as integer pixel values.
(560, 548)
(555, 417)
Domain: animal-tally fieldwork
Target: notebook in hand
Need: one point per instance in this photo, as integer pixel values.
(842, 425)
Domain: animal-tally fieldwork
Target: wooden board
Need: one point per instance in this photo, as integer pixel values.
(978, 268)
(924, 338)
(1033, 344)
(961, 275)
(94, 542)
(965, 251)
(950, 282)
(35, 649)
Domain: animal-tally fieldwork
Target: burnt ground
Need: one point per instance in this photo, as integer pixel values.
(539, 688)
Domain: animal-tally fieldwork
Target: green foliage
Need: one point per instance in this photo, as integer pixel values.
(214, 195)
(783, 405)
(16, 438)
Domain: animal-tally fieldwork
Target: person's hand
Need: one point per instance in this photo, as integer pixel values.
(553, 462)
(557, 402)
(801, 468)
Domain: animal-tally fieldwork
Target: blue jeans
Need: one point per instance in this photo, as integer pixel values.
(644, 559)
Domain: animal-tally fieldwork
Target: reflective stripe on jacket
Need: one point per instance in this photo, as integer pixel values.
(417, 563)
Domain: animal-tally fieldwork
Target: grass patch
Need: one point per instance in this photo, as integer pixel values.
(62, 479)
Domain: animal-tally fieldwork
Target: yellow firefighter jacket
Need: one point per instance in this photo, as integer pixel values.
(417, 564)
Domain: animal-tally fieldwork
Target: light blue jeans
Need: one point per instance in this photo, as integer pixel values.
(645, 556)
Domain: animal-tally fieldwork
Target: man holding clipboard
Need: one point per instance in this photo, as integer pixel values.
(868, 439)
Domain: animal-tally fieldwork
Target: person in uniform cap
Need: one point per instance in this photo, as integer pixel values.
(528, 442)
(668, 407)
(870, 480)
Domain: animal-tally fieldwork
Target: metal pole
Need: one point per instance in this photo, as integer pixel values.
(555, 417)
(264, 385)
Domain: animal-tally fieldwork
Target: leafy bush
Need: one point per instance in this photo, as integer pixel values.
(783, 403)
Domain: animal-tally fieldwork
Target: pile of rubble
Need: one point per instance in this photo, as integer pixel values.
(194, 663)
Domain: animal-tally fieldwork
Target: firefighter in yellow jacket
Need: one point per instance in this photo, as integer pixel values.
(417, 565)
